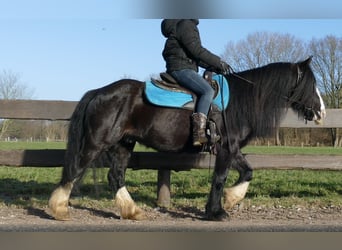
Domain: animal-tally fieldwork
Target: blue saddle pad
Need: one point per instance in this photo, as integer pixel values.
(169, 98)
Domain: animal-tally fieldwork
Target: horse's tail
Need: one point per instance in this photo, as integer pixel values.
(77, 127)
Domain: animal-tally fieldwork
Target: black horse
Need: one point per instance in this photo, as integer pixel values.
(113, 118)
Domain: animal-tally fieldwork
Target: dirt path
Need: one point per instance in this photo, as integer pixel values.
(251, 219)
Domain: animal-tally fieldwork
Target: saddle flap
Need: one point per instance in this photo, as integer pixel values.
(170, 86)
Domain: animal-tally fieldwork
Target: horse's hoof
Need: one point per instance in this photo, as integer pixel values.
(59, 201)
(133, 213)
(139, 215)
(217, 216)
(235, 194)
(61, 214)
(63, 217)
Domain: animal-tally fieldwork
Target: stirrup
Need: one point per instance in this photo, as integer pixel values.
(211, 131)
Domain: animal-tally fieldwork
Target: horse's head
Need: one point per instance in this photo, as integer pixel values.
(305, 97)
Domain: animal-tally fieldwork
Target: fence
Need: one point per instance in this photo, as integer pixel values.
(163, 162)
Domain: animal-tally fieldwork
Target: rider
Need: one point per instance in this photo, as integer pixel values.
(183, 53)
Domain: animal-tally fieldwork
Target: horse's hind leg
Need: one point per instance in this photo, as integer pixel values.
(73, 170)
(119, 156)
(237, 192)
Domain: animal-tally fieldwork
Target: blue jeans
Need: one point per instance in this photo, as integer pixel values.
(191, 80)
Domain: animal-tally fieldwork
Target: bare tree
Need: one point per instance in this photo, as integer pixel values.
(261, 48)
(56, 130)
(11, 88)
(327, 64)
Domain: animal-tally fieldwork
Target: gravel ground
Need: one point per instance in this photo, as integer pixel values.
(182, 219)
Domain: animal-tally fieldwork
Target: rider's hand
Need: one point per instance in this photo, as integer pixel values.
(226, 68)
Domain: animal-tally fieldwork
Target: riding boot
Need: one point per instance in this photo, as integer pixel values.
(199, 123)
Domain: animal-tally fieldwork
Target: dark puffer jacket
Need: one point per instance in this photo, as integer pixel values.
(183, 48)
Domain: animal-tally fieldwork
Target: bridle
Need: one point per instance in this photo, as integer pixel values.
(308, 112)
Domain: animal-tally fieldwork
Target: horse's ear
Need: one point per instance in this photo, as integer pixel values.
(304, 64)
(308, 61)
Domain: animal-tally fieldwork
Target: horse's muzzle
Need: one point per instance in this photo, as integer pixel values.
(319, 116)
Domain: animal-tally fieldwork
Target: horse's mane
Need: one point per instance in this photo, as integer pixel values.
(262, 105)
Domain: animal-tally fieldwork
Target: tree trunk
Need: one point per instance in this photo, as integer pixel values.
(335, 137)
(338, 138)
(277, 138)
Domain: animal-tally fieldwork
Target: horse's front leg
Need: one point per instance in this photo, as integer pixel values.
(237, 192)
(214, 209)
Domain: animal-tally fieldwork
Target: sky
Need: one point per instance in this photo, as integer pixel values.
(61, 49)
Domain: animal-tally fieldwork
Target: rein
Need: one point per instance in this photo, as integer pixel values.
(242, 78)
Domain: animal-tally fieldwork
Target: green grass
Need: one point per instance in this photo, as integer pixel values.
(31, 187)
(292, 150)
(247, 150)
(31, 145)
(27, 187)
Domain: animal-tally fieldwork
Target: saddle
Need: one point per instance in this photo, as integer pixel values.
(166, 92)
(168, 82)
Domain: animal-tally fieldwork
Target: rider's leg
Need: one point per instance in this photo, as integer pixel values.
(190, 79)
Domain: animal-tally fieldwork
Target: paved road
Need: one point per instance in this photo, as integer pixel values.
(159, 227)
